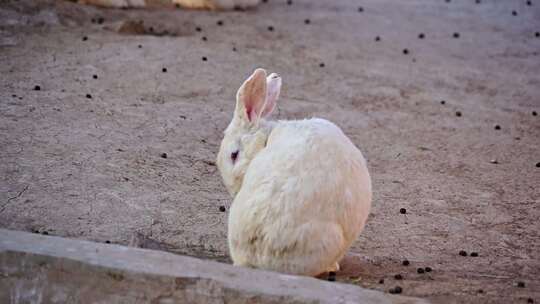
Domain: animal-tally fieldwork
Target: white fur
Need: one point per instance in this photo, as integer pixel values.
(301, 189)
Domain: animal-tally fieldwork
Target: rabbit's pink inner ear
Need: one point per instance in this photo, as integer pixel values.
(250, 112)
(254, 102)
(253, 95)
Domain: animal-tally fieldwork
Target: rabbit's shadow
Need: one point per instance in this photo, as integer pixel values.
(354, 266)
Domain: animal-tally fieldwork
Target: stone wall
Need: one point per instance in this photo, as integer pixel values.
(44, 269)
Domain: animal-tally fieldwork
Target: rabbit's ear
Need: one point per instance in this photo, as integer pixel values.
(273, 87)
(251, 97)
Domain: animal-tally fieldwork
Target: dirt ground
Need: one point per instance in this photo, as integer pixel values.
(449, 129)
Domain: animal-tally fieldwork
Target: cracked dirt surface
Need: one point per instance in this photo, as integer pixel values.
(92, 166)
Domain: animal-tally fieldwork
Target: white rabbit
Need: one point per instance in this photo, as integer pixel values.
(301, 189)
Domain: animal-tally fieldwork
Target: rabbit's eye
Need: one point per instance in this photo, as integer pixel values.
(234, 156)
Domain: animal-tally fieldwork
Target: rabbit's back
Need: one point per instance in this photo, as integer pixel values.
(304, 199)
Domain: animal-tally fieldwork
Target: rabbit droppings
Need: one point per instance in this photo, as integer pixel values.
(301, 189)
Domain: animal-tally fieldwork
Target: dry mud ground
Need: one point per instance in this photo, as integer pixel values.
(91, 167)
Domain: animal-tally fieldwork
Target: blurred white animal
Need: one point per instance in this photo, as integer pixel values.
(301, 189)
(194, 4)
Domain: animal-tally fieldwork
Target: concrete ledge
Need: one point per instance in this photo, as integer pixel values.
(44, 269)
